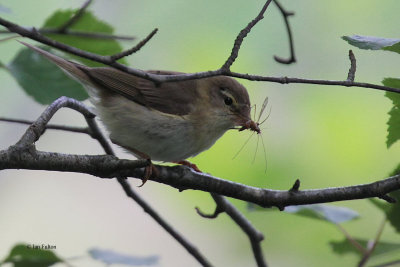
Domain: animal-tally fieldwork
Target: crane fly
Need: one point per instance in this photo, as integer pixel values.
(254, 126)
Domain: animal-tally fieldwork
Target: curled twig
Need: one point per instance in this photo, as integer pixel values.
(286, 15)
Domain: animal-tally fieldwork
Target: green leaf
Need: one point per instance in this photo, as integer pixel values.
(392, 211)
(333, 214)
(111, 257)
(345, 247)
(42, 80)
(393, 215)
(330, 213)
(394, 114)
(86, 23)
(23, 255)
(373, 43)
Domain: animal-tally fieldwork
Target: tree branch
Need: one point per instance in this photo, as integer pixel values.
(286, 15)
(64, 29)
(239, 39)
(25, 149)
(35, 35)
(135, 48)
(222, 204)
(183, 178)
(74, 18)
(84, 130)
(255, 236)
(92, 35)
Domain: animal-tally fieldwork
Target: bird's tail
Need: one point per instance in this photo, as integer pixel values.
(72, 69)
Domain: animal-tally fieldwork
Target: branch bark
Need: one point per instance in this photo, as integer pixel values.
(108, 60)
(183, 178)
(25, 150)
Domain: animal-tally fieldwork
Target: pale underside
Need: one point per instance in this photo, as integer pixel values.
(161, 136)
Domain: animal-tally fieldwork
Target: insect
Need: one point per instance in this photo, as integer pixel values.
(255, 127)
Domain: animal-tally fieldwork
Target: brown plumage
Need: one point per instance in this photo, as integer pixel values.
(170, 122)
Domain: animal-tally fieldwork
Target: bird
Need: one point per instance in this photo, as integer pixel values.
(169, 122)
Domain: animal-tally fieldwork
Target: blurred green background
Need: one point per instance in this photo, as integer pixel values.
(325, 136)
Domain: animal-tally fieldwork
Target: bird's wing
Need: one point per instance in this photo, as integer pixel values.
(173, 98)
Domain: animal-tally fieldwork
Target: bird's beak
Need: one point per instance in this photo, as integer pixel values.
(247, 123)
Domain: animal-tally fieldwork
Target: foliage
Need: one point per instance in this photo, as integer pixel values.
(88, 22)
(41, 79)
(22, 255)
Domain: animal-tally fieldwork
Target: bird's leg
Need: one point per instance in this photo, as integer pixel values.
(189, 164)
(150, 170)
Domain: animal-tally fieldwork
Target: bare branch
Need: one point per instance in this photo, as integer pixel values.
(91, 35)
(352, 71)
(34, 131)
(286, 14)
(183, 178)
(218, 210)
(35, 35)
(84, 130)
(25, 149)
(243, 33)
(352, 241)
(135, 48)
(75, 17)
(222, 204)
(388, 198)
(375, 242)
(252, 233)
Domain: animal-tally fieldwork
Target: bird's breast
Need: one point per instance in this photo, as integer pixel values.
(161, 136)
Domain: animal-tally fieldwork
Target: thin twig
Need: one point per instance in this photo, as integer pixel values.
(218, 210)
(135, 48)
(243, 33)
(34, 35)
(90, 35)
(63, 28)
(37, 128)
(252, 233)
(84, 130)
(353, 65)
(352, 241)
(286, 15)
(368, 253)
(388, 199)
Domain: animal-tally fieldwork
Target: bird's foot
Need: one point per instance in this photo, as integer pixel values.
(150, 171)
(189, 164)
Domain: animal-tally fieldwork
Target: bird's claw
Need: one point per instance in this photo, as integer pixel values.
(150, 171)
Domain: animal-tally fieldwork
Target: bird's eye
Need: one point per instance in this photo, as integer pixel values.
(228, 101)
(222, 88)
